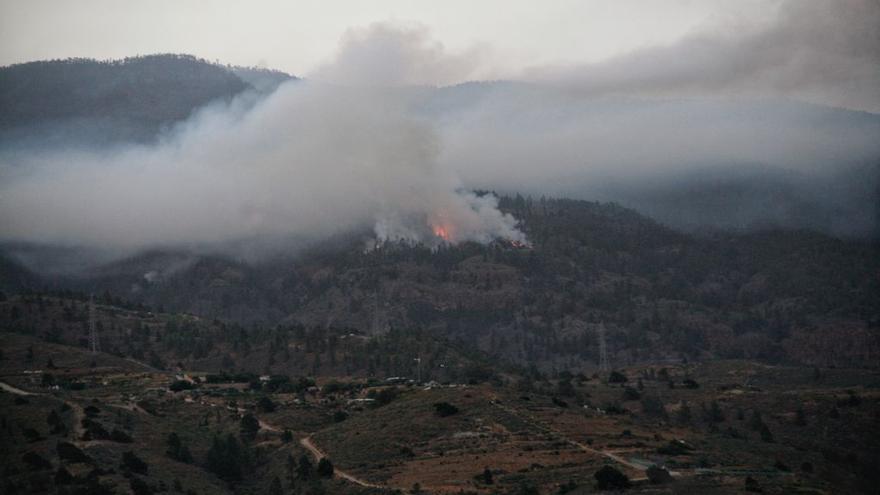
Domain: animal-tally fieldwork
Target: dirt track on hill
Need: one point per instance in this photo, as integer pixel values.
(311, 447)
(13, 390)
(586, 448)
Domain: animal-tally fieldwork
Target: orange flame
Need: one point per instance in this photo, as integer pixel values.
(441, 232)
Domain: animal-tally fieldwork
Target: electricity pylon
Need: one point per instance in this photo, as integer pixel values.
(603, 350)
(94, 338)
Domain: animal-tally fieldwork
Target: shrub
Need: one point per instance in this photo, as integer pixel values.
(617, 377)
(71, 453)
(139, 486)
(63, 476)
(266, 404)
(179, 385)
(177, 450)
(249, 426)
(487, 476)
(444, 409)
(120, 436)
(325, 468)
(630, 393)
(226, 458)
(609, 478)
(134, 463)
(674, 448)
(657, 475)
(304, 468)
(36, 461)
(653, 406)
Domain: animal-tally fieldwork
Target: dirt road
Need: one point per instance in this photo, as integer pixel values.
(13, 390)
(586, 448)
(311, 447)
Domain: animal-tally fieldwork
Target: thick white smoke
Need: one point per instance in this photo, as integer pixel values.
(359, 148)
(310, 161)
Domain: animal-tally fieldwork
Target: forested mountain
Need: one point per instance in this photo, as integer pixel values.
(81, 101)
(779, 296)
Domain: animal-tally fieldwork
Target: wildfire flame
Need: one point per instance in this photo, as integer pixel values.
(442, 232)
(441, 226)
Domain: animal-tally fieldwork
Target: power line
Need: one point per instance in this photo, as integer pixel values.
(603, 350)
(94, 339)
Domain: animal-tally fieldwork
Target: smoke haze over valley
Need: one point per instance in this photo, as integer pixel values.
(367, 142)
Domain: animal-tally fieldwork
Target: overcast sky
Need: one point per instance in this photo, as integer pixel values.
(296, 36)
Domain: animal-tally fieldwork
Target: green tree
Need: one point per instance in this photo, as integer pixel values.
(684, 415)
(325, 468)
(609, 478)
(304, 469)
(275, 488)
(227, 458)
(249, 426)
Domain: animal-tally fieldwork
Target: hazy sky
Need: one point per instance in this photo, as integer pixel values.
(296, 36)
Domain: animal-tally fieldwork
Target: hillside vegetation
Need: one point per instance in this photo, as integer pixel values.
(661, 296)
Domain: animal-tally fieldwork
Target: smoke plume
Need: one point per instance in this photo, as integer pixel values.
(310, 161)
(357, 147)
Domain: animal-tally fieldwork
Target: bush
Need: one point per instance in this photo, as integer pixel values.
(266, 404)
(487, 476)
(63, 476)
(304, 468)
(444, 409)
(674, 448)
(71, 453)
(653, 406)
(120, 436)
(617, 377)
(179, 385)
(134, 463)
(177, 450)
(657, 475)
(139, 486)
(249, 426)
(325, 468)
(609, 478)
(630, 393)
(384, 396)
(227, 458)
(36, 461)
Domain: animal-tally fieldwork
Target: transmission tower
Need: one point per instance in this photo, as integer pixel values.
(603, 350)
(94, 339)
